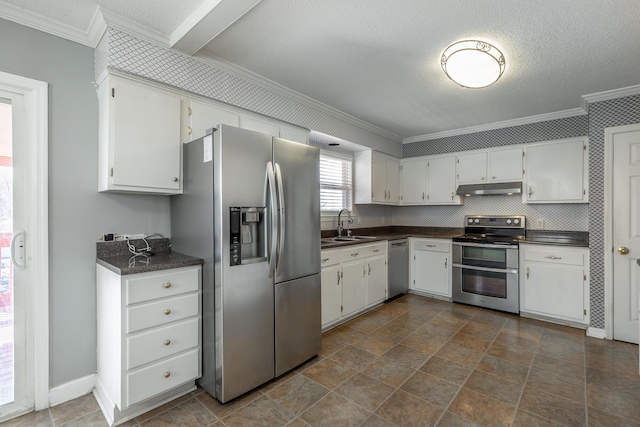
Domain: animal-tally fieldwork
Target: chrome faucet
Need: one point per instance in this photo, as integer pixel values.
(349, 221)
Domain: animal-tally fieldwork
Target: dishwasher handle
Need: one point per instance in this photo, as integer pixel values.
(399, 244)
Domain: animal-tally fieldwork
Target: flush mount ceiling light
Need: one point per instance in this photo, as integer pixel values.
(473, 63)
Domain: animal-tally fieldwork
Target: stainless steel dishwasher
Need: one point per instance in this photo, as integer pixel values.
(398, 270)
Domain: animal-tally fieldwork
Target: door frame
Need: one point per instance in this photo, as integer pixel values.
(608, 222)
(36, 141)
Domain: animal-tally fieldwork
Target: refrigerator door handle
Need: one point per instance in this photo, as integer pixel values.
(270, 187)
(281, 226)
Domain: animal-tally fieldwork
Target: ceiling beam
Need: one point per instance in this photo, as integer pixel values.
(206, 22)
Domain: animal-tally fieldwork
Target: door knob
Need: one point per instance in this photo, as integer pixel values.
(623, 251)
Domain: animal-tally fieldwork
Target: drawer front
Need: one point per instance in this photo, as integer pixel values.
(555, 255)
(162, 342)
(363, 251)
(162, 376)
(162, 312)
(162, 284)
(328, 258)
(432, 245)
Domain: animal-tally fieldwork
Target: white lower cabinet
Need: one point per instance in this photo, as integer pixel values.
(430, 266)
(353, 279)
(554, 282)
(149, 328)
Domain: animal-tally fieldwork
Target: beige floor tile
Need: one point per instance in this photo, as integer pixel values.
(470, 341)
(473, 406)
(598, 418)
(555, 384)
(512, 354)
(447, 370)
(434, 333)
(377, 421)
(74, 409)
(389, 333)
(298, 394)
(552, 407)
(404, 409)
(365, 391)
(480, 330)
(449, 419)
(353, 357)
(559, 367)
(408, 356)
(503, 368)
(388, 371)
(566, 352)
(460, 355)
(527, 419)
(34, 419)
(191, 413)
(335, 410)
(422, 343)
(515, 341)
(623, 402)
(222, 410)
(430, 388)
(262, 412)
(494, 386)
(330, 344)
(329, 373)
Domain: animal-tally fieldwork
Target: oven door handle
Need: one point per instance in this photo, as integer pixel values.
(491, 270)
(485, 245)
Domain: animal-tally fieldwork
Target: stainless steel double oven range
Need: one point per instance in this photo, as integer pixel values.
(485, 262)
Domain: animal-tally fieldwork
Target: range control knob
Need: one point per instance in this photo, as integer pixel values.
(470, 221)
(477, 221)
(516, 221)
(508, 221)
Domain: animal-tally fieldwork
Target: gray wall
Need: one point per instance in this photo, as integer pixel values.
(78, 214)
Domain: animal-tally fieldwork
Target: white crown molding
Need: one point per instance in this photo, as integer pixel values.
(126, 25)
(97, 28)
(47, 25)
(608, 94)
(498, 125)
(295, 96)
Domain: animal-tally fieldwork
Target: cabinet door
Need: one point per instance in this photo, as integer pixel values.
(472, 168)
(353, 286)
(258, 125)
(293, 134)
(505, 165)
(205, 115)
(376, 280)
(145, 136)
(554, 172)
(414, 182)
(553, 290)
(331, 285)
(431, 272)
(378, 177)
(393, 181)
(441, 180)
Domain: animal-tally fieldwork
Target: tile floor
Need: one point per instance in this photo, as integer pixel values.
(421, 362)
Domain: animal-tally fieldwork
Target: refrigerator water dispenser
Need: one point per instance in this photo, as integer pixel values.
(247, 239)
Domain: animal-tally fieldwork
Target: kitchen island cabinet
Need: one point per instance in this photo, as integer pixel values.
(353, 280)
(430, 267)
(149, 328)
(554, 283)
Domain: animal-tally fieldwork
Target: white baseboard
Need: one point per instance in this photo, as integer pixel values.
(596, 333)
(71, 390)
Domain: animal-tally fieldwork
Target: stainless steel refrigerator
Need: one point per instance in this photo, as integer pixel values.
(251, 210)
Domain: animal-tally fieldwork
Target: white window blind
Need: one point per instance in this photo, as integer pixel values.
(335, 182)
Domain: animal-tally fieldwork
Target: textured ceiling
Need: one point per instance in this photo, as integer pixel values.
(163, 16)
(378, 60)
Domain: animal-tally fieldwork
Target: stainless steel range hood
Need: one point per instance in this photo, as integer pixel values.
(490, 189)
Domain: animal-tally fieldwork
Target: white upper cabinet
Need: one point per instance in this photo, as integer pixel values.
(294, 134)
(505, 165)
(556, 172)
(429, 181)
(201, 116)
(274, 128)
(472, 168)
(377, 178)
(139, 137)
(500, 165)
(441, 181)
(414, 181)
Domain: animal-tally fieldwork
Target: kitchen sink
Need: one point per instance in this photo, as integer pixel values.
(346, 239)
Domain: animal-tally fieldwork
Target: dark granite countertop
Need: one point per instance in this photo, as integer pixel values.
(542, 237)
(116, 257)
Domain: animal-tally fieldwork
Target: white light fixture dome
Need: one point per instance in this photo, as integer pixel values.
(473, 63)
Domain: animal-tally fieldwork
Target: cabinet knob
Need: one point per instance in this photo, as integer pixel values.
(167, 285)
(167, 342)
(189, 130)
(493, 177)
(482, 179)
(174, 179)
(167, 374)
(167, 312)
(623, 251)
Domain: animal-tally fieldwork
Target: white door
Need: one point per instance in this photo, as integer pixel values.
(393, 181)
(376, 280)
(378, 177)
(353, 286)
(331, 293)
(626, 234)
(472, 168)
(431, 272)
(505, 165)
(414, 182)
(16, 363)
(441, 180)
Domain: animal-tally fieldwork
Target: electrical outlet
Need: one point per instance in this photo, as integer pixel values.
(540, 224)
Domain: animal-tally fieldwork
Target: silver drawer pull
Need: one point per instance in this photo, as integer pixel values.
(167, 312)
(553, 257)
(167, 374)
(429, 246)
(376, 250)
(167, 342)
(355, 254)
(167, 285)
(325, 259)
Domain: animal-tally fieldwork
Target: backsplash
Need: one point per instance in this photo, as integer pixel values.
(568, 217)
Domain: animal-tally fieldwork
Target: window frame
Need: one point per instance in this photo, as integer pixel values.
(342, 157)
